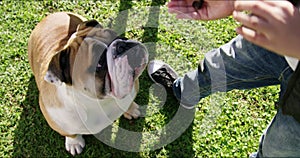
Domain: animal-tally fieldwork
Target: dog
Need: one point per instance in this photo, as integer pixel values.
(86, 75)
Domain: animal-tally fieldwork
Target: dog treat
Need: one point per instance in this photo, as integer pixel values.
(198, 4)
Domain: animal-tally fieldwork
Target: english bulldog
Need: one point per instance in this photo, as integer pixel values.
(87, 76)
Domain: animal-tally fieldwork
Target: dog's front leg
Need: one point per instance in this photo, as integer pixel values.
(133, 111)
(74, 145)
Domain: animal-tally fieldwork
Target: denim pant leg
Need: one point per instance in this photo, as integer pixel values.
(238, 64)
(281, 138)
(242, 65)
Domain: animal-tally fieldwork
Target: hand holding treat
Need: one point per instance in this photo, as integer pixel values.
(201, 9)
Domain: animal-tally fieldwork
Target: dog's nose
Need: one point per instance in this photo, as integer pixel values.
(123, 46)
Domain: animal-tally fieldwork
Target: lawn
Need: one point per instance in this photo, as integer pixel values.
(224, 124)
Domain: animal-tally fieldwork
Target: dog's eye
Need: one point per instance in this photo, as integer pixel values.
(99, 66)
(102, 64)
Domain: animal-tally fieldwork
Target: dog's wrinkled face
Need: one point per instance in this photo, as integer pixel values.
(98, 63)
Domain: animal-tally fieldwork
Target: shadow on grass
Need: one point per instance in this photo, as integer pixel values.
(181, 147)
(34, 138)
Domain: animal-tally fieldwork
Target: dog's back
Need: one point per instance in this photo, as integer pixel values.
(56, 29)
(47, 39)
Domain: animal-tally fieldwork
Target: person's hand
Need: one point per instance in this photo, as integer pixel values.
(210, 10)
(274, 25)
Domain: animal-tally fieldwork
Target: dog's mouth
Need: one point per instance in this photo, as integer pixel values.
(125, 59)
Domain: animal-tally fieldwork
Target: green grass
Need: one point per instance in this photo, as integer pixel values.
(182, 43)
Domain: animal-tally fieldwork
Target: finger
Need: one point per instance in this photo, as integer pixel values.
(277, 3)
(181, 6)
(184, 13)
(259, 8)
(251, 21)
(180, 9)
(252, 36)
(192, 16)
(283, 6)
(177, 3)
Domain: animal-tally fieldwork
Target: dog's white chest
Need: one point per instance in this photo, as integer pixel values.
(81, 114)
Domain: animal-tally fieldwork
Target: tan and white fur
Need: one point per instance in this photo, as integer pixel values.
(87, 77)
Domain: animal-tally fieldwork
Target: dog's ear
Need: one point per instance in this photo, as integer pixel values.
(89, 23)
(59, 69)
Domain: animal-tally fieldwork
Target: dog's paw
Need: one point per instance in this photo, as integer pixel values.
(132, 112)
(74, 145)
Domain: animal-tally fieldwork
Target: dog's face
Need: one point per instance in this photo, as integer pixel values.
(98, 63)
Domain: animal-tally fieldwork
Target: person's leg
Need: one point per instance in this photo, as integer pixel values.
(282, 137)
(242, 65)
(237, 65)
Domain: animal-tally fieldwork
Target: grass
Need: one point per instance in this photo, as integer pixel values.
(244, 114)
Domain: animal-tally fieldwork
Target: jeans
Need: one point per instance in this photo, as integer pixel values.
(240, 64)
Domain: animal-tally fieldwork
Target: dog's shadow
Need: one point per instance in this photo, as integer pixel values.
(34, 138)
